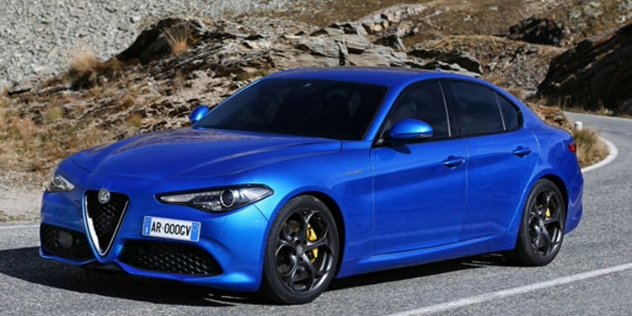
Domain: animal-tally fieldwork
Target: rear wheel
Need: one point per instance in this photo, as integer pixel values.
(301, 252)
(542, 227)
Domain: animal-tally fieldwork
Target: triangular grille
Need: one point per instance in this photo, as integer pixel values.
(104, 219)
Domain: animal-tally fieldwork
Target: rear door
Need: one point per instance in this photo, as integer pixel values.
(502, 155)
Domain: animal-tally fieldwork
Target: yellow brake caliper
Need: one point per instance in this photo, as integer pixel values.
(311, 236)
(548, 213)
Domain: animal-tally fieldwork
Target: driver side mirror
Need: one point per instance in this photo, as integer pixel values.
(198, 113)
(410, 130)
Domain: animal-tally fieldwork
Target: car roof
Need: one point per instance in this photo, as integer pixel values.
(384, 76)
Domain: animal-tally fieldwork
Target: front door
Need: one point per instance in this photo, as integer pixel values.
(419, 195)
(419, 188)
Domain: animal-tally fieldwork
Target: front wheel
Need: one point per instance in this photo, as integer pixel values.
(301, 252)
(542, 227)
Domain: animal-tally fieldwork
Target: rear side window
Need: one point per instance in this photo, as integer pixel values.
(479, 110)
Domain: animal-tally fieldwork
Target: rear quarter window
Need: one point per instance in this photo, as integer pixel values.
(512, 116)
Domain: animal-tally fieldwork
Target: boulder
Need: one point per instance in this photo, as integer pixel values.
(536, 31)
(464, 60)
(152, 44)
(388, 27)
(596, 73)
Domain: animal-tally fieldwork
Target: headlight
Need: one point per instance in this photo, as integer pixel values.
(59, 183)
(218, 200)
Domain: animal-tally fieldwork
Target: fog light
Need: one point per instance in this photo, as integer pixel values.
(64, 239)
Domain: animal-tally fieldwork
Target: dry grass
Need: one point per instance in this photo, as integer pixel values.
(82, 61)
(135, 120)
(86, 70)
(590, 148)
(127, 102)
(5, 102)
(90, 137)
(249, 76)
(53, 114)
(25, 131)
(179, 39)
(40, 129)
(178, 80)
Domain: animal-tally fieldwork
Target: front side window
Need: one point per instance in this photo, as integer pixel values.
(303, 107)
(422, 101)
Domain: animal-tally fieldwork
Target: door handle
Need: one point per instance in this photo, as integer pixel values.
(453, 161)
(521, 151)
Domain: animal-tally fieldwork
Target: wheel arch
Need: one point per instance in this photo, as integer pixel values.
(559, 183)
(334, 208)
(556, 180)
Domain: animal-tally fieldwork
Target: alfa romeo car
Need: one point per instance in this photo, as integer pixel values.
(312, 174)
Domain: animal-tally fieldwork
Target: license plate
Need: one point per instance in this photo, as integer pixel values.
(171, 228)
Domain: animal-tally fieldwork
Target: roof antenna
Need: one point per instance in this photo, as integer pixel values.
(437, 69)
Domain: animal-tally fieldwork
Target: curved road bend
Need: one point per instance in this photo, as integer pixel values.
(591, 276)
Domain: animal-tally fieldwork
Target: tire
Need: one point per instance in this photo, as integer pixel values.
(301, 252)
(542, 228)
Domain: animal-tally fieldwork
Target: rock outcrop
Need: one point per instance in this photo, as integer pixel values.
(453, 57)
(536, 31)
(389, 26)
(154, 88)
(247, 47)
(155, 42)
(596, 73)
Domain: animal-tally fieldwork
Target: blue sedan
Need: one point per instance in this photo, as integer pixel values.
(312, 174)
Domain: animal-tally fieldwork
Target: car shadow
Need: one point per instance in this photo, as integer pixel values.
(418, 271)
(26, 264)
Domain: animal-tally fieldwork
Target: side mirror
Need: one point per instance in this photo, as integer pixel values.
(198, 113)
(410, 129)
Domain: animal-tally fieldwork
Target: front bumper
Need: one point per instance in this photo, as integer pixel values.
(228, 255)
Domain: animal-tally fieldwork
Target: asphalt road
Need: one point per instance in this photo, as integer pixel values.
(592, 275)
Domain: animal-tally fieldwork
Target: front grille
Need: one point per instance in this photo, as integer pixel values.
(104, 218)
(65, 243)
(171, 258)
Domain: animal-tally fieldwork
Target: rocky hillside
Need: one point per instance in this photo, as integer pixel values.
(178, 63)
(595, 74)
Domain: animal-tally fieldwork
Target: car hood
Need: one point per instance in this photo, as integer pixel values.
(197, 153)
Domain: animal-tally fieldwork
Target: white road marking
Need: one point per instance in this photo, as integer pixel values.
(513, 291)
(611, 156)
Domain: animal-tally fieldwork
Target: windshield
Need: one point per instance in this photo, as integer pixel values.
(305, 107)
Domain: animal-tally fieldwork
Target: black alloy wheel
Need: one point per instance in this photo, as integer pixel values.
(542, 227)
(301, 252)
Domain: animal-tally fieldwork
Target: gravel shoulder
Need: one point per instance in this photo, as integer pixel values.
(18, 205)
